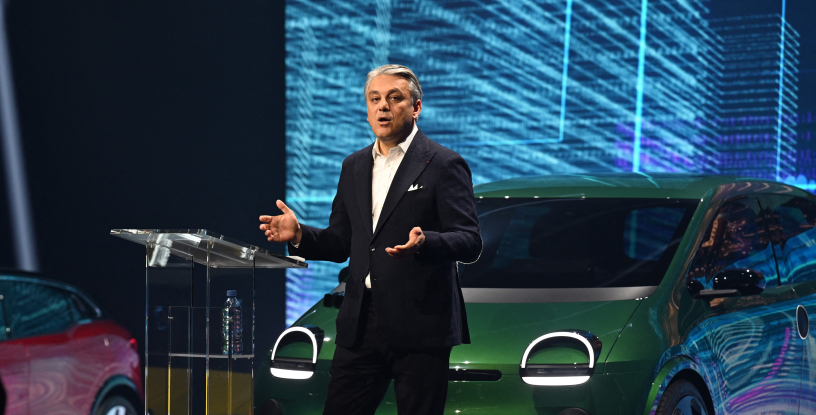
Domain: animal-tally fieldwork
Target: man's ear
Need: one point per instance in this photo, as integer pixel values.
(417, 108)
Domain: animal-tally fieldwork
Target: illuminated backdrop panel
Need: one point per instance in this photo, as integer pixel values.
(530, 88)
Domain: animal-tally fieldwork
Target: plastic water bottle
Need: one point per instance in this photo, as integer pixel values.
(232, 304)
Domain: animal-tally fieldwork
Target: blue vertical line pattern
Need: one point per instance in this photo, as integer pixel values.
(553, 76)
(565, 70)
(752, 142)
(781, 90)
(644, 5)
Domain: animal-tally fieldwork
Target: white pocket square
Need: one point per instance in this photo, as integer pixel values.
(415, 187)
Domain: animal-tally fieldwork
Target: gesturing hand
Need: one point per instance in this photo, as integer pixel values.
(281, 228)
(415, 240)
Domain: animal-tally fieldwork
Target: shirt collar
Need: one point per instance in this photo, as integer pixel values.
(375, 152)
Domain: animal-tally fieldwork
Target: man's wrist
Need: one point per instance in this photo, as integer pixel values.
(419, 246)
(298, 236)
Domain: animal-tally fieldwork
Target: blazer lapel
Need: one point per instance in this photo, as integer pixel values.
(414, 162)
(362, 174)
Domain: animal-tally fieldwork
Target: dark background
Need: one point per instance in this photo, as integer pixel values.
(147, 114)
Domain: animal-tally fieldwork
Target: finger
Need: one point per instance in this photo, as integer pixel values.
(282, 206)
(265, 218)
(414, 235)
(408, 245)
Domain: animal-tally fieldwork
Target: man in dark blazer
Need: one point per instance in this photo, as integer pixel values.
(403, 307)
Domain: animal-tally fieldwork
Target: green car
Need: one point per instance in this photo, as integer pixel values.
(613, 294)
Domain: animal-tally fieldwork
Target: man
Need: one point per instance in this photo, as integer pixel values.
(403, 307)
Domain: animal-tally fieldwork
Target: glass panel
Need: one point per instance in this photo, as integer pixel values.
(795, 218)
(648, 231)
(187, 369)
(80, 308)
(180, 374)
(35, 309)
(204, 247)
(229, 387)
(735, 239)
(576, 243)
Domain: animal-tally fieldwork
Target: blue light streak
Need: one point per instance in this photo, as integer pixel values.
(565, 69)
(781, 96)
(644, 6)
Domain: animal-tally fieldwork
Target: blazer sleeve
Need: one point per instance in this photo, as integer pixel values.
(333, 243)
(460, 238)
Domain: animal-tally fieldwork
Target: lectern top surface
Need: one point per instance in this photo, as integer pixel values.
(204, 247)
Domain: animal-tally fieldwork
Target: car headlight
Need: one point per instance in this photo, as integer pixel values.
(302, 365)
(554, 371)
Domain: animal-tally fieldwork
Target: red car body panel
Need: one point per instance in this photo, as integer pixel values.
(14, 372)
(62, 373)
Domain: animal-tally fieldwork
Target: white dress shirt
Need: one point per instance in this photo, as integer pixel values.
(382, 175)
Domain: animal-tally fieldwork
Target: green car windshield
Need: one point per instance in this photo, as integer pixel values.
(576, 243)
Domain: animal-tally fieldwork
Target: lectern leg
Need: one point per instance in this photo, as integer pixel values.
(148, 249)
(169, 369)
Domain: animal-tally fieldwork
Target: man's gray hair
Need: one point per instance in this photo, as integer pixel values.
(402, 72)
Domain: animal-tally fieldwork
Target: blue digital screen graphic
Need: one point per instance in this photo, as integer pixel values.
(523, 88)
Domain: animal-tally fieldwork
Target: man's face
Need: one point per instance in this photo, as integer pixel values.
(390, 112)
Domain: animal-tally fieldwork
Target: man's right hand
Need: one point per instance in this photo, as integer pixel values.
(282, 228)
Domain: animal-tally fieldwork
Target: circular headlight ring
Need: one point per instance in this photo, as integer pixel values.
(315, 334)
(581, 375)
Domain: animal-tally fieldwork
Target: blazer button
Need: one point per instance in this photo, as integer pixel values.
(371, 248)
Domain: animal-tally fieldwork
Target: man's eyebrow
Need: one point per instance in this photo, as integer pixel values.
(387, 93)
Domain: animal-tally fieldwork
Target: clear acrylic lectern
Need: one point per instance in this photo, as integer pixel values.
(199, 351)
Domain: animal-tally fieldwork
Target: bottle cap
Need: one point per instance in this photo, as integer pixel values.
(232, 293)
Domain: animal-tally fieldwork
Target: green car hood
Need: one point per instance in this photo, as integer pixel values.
(501, 332)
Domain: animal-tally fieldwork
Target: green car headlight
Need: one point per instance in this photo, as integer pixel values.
(295, 353)
(560, 358)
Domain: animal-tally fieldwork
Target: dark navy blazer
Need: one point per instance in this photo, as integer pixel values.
(419, 301)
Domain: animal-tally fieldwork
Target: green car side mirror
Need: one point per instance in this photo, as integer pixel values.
(730, 283)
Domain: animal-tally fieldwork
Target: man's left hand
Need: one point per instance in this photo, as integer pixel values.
(415, 240)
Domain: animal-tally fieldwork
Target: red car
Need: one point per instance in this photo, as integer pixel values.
(59, 354)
